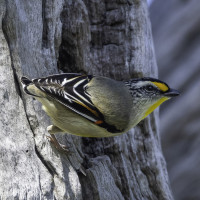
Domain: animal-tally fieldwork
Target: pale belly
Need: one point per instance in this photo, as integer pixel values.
(82, 128)
(72, 123)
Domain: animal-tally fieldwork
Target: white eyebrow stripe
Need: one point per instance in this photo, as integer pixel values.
(144, 83)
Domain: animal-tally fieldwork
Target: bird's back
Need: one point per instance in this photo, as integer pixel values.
(110, 97)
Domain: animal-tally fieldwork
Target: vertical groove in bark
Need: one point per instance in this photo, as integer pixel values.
(44, 30)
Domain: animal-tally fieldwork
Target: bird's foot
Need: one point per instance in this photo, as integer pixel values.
(58, 146)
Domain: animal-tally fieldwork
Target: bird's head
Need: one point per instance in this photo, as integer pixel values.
(149, 93)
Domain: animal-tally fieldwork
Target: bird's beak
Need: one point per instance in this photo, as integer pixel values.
(171, 93)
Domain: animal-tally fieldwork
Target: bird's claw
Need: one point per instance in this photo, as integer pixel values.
(57, 145)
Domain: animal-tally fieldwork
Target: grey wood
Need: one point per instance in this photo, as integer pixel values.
(110, 38)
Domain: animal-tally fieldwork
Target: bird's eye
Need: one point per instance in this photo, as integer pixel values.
(149, 88)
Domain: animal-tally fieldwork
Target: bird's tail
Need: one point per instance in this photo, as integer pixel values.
(25, 83)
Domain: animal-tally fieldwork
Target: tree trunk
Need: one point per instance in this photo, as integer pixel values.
(111, 38)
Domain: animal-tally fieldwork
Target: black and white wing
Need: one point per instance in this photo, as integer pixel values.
(70, 90)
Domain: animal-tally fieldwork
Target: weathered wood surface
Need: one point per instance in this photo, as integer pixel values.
(110, 38)
(176, 34)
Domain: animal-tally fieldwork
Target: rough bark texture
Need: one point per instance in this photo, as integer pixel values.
(110, 38)
(176, 34)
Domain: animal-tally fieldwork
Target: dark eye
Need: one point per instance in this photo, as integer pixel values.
(149, 88)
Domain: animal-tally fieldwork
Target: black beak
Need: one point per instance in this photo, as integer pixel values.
(172, 93)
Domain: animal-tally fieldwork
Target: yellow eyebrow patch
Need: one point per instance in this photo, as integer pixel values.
(161, 86)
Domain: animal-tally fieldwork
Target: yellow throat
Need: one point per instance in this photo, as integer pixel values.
(155, 105)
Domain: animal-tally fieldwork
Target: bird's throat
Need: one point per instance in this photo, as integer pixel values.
(155, 105)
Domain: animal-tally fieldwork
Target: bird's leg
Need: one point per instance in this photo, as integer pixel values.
(52, 130)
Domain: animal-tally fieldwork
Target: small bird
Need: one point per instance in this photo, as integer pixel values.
(95, 106)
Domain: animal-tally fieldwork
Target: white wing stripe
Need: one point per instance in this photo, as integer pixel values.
(72, 97)
(64, 82)
(69, 95)
(66, 97)
(80, 113)
(67, 81)
(74, 90)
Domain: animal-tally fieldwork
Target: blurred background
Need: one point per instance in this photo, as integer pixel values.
(176, 33)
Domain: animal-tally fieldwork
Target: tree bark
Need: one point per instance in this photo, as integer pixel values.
(110, 38)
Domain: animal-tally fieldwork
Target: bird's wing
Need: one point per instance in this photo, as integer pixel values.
(70, 90)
